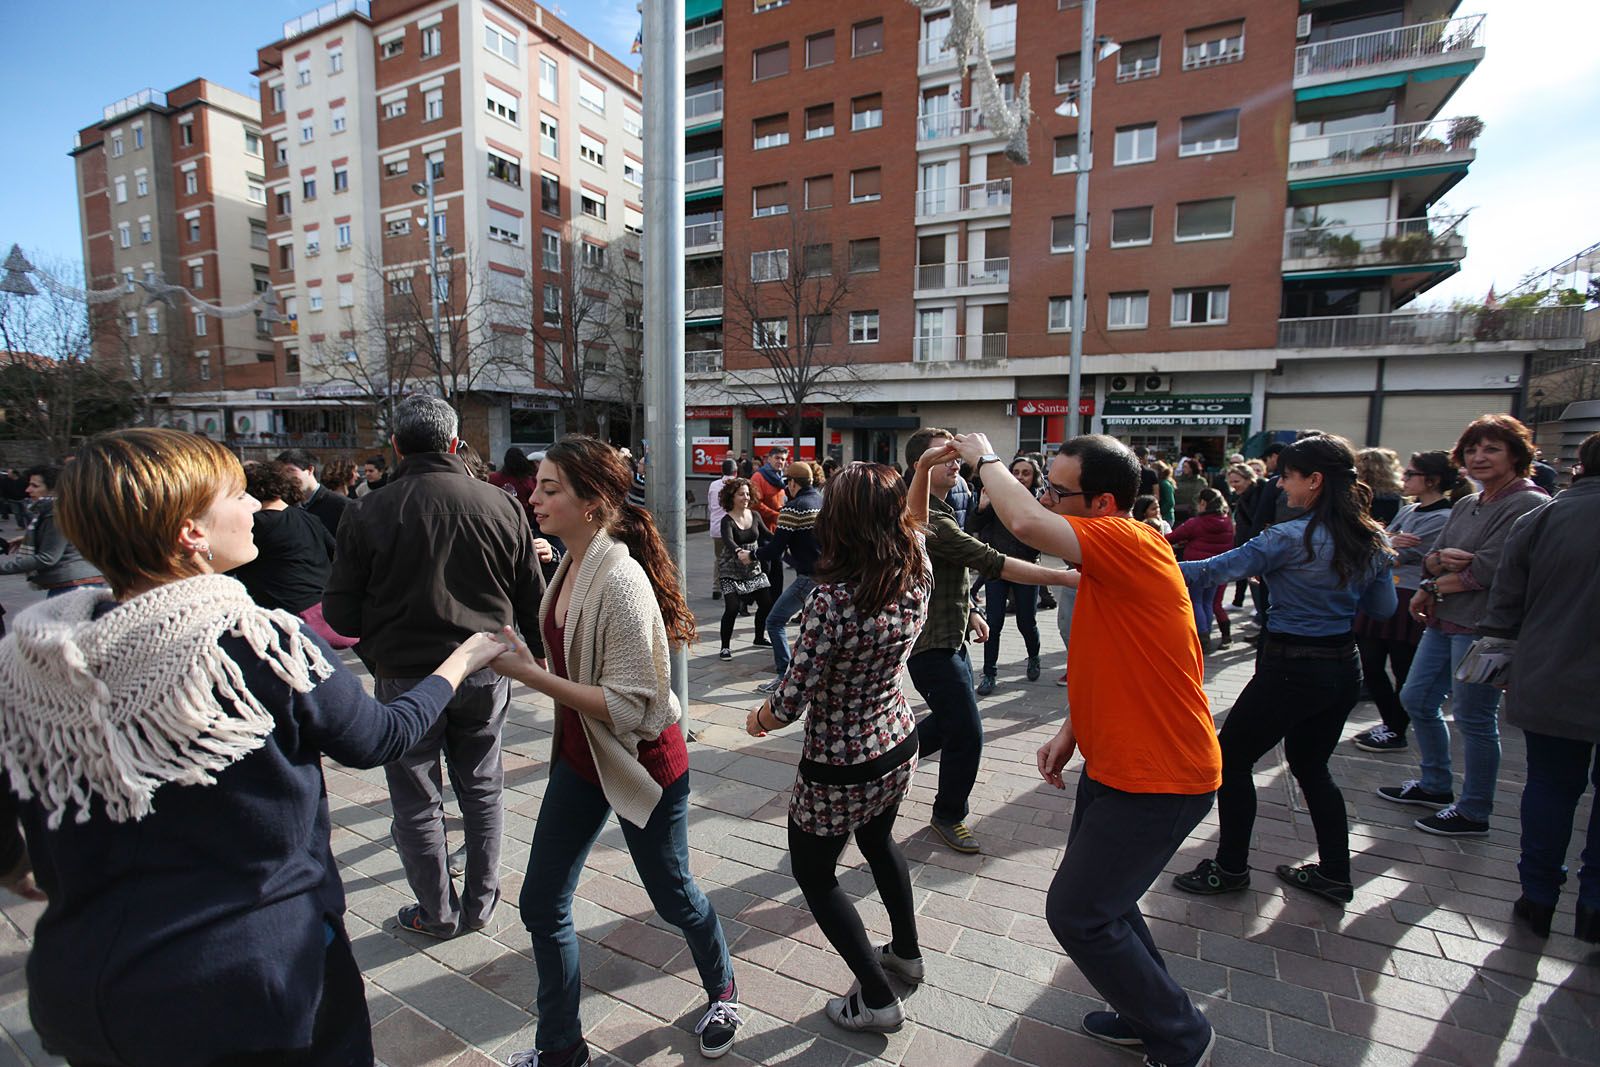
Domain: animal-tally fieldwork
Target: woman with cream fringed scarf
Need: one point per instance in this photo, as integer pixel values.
(163, 745)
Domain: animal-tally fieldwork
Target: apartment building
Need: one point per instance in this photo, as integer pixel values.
(171, 189)
(528, 135)
(1267, 203)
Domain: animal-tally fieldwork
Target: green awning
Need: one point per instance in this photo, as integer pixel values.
(1386, 81)
(699, 9)
(703, 194)
(1373, 272)
(692, 323)
(1388, 175)
(704, 127)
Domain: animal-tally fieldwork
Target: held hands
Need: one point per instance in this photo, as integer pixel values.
(970, 446)
(1054, 754)
(515, 659)
(935, 457)
(479, 651)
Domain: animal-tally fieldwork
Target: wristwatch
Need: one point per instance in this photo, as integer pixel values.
(987, 457)
(1431, 587)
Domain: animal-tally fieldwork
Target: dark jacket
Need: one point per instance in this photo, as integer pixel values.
(426, 562)
(984, 524)
(1244, 513)
(329, 507)
(795, 536)
(294, 558)
(1203, 536)
(46, 556)
(952, 553)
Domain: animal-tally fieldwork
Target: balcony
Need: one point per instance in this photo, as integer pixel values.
(1434, 328)
(974, 199)
(702, 47)
(1433, 57)
(1392, 247)
(965, 348)
(932, 55)
(704, 302)
(702, 107)
(702, 237)
(943, 278)
(706, 361)
(702, 173)
(1439, 151)
(947, 124)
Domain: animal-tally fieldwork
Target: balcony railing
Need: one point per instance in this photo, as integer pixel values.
(1432, 328)
(706, 38)
(133, 102)
(325, 14)
(976, 196)
(701, 104)
(959, 275)
(1000, 38)
(1383, 145)
(967, 347)
(1388, 46)
(937, 125)
(703, 235)
(1397, 241)
(698, 171)
(705, 298)
(707, 361)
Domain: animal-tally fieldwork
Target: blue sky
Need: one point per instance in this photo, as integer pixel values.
(1531, 191)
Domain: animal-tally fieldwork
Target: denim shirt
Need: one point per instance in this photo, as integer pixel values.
(1304, 597)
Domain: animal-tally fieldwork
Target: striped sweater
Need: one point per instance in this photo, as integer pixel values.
(794, 538)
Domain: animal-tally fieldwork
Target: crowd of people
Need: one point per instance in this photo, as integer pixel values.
(164, 710)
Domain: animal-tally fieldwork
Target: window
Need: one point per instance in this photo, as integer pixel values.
(341, 179)
(347, 294)
(138, 137)
(549, 79)
(341, 235)
(302, 73)
(133, 329)
(1068, 67)
(200, 324)
(252, 140)
(191, 182)
(1131, 226)
(186, 134)
(397, 228)
(1066, 157)
(153, 320)
(158, 367)
(552, 305)
(632, 171)
(632, 121)
(1210, 46)
(119, 185)
(501, 103)
(308, 188)
(1204, 220)
(280, 151)
(771, 62)
(432, 105)
(866, 185)
(1062, 233)
(432, 41)
(144, 231)
(1135, 144)
(258, 234)
(771, 131)
(772, 333)
(504, 226)
(592, 96)
(819, 49)
(500, 42)
(286, 262)
(393, 47)
(124, 235)
(866, 38)
(204, 359)
(308, 131)
(505, 169)
(1139, 59)
(1214, 132)
(197, 277)
(141, 183)
(769, 266)
(819, 192)
(863, 327)
(335, 60)
(277, 98)
(819, 260)
(864, 256)
(771, 199)
(819, 121)
(594, 256)
(1128, 311)
(866, 112)
(285, 202)
(550, 194)
(394, 168)
(591, 150)
(632, 219)
(393, 109)
(313, 245)
(314, 299)
(255, 192)
(116, 145)
(819, 330)
(1060, 319)
(127, 277)
(550, 250)
(768, 5)
(1200, 307)
(441, 224)
(592, 204)
(436, 166)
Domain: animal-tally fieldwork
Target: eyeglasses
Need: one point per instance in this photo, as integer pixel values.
(1409, 473)
(1052, 489)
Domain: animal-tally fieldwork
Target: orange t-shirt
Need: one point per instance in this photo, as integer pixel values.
(1134, 671)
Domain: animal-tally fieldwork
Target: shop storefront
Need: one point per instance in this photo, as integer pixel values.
(1173, 426)
(709, 432)
(1042, 423)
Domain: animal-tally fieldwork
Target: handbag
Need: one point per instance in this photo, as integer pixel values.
(1488, 662)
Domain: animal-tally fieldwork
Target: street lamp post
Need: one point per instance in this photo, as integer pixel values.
(421, 188)
(1091, 50)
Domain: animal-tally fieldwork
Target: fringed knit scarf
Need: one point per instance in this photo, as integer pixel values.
(116, 707)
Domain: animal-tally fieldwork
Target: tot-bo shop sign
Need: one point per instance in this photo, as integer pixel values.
(1197, 410)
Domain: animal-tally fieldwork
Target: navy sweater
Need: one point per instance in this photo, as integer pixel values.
(202, 929)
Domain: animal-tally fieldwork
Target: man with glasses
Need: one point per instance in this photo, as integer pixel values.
(939, 666)
(1138, 711)
(767, 496)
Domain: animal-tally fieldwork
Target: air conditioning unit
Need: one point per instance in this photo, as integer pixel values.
(1302, 27)
(1122, 383)
(1155, 383)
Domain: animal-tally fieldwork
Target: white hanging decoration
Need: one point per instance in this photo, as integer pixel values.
(154, 285)
(966, 39)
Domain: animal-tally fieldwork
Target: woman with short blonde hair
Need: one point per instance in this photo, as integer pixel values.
(1380, 468)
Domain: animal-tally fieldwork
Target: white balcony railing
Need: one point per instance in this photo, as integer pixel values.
(999, 37)
(976, 196)
(1420, 41)
(703, 39)
(973, 272)
(1383, 145)
(702, 104)
(700, 171)
(704, 298)
(703, 235)
(937, 125)
(950, 349)
(1438, 239)
(1432, 328)
(325, 14)
(708, 361)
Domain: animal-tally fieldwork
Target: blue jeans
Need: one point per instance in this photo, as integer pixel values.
(572, 815)
(1476, 710)
(952, 726)
(786, 607)
(1559, 769)
(1204, 603)
(995, 593)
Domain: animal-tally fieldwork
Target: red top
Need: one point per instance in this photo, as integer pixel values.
(666, 758)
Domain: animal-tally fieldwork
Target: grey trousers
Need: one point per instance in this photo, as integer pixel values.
(468, 735)
(1066, 599)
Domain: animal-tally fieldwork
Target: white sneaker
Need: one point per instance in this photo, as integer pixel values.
(726, 653)
(850, 1013)
(911, 970)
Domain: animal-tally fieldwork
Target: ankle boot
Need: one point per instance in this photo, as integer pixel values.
(1587, 926)
(1535, 917)
(1226, 626)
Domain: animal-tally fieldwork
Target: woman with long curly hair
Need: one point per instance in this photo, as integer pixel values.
(857, 631)
(1320, 568)
(610, 617)
(1380, 470)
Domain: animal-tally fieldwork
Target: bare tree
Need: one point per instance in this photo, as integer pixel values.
(781, 306)
(624, 331)
(574, 309)
(150, 347)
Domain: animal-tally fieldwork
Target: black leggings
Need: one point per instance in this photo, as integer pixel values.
(733, 603)
(815, 860)
(1375, 653)
(1304, 704)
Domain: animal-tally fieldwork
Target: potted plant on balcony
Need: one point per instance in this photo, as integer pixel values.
(1464, 130)
(1341, 246)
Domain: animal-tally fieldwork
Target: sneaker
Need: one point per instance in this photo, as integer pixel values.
(954, 833)
(410, 918)
(911, 970)
(1451, 823)
(1033, 668)
(851, 1013)
(1224, 645)
(1197, 1061)
(726, 653)
(1410, 791)
(1109, 1027)
(457, 862)
(1062, 681)
(1310, 878)
(1208, 879)
(529, 1057)
(986, 685)
(1379, 739)
(760, 641)
(770, 687)
(717, 1025)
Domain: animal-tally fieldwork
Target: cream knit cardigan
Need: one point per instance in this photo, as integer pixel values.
(614, 638)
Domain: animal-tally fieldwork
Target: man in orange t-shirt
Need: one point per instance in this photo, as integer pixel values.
(1138, 711)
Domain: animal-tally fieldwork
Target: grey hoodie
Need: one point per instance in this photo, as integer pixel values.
(46, 556)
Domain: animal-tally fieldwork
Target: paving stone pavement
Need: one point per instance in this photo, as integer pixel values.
(1423, 968)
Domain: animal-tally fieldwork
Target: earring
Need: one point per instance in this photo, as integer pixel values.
(206, 550)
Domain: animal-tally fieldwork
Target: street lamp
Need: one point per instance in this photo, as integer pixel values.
(421, 189)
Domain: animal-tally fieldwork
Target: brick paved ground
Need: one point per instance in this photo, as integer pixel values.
(1424, 967)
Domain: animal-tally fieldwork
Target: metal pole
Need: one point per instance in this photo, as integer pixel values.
(1080, 217)
(433, 263)
(663, 288)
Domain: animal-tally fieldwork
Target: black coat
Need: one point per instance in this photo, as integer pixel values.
(329, 507)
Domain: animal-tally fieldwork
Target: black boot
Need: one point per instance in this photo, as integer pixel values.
(1535, 917)
(1587, 925)
(1226, 628)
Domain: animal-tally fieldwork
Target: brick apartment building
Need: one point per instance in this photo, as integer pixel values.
(1265, 201)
